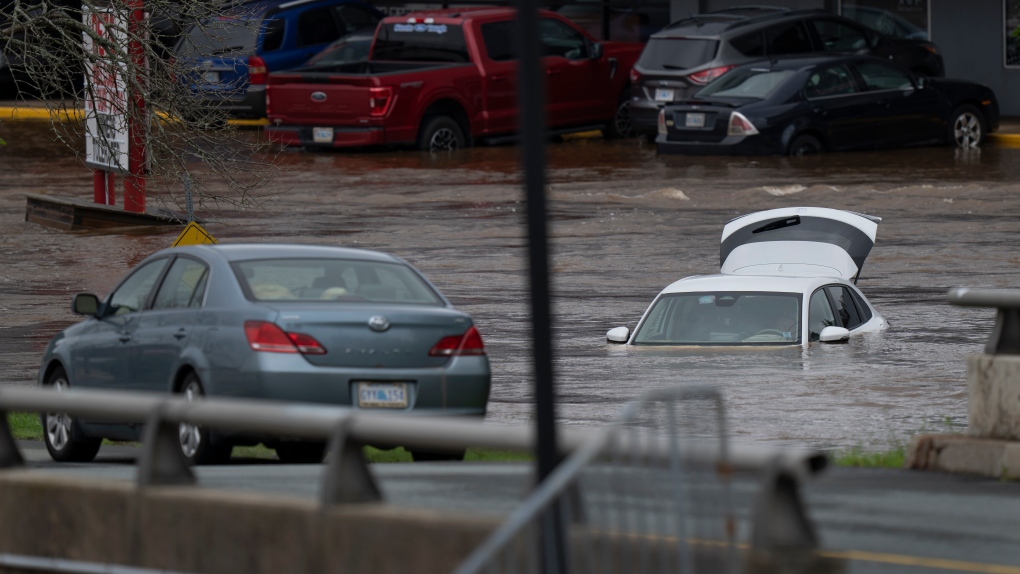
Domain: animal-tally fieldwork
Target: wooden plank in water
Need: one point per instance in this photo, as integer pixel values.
(70, 214)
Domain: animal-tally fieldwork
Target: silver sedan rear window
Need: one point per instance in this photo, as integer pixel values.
(333, 280)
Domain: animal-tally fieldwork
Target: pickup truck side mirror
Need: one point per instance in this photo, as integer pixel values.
(85, 304)
(596, 51)
(834, 335)
(618, 335)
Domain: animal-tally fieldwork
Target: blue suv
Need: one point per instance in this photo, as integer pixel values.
(230, 56)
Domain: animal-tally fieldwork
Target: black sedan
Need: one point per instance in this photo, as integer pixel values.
(801, 106)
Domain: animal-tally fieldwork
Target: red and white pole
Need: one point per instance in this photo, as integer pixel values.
(134, 182)
(103, 191)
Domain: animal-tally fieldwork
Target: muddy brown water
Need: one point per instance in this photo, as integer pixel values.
(624, 223)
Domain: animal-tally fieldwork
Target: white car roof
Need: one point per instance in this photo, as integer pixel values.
(765, 283)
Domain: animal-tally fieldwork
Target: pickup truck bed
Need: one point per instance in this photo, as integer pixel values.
(469, 92)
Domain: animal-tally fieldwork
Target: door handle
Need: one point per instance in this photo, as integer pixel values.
(181, 334)
(500, 78)
(124, 337)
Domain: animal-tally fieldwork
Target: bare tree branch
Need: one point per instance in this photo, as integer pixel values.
(43, 42)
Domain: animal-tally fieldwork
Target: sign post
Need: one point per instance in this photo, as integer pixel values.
(113, 141)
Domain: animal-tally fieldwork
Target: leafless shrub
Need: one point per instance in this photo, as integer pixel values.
(45, 43)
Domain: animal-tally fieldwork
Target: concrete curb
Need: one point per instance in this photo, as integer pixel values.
(1005, 140)
(34, 113)
(191, 529)
(962, 454)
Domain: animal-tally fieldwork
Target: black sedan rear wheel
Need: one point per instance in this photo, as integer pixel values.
(966, 127)
(805, 145)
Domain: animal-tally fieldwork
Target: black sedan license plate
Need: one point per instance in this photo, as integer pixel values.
(695, 120)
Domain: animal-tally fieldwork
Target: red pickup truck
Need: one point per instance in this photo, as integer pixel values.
(442, 79)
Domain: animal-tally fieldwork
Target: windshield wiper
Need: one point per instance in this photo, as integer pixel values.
(672, 67)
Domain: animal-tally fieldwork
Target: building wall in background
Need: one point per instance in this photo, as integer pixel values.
(972, 37)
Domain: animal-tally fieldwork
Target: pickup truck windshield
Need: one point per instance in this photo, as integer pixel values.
(405, 42)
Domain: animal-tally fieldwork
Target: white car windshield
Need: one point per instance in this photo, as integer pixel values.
(722, 318)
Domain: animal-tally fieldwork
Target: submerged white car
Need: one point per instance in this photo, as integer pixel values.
(787, 277)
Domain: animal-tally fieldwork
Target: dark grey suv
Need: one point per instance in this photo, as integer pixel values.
(690, 53)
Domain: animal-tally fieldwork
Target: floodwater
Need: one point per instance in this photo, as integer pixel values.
(624, 223)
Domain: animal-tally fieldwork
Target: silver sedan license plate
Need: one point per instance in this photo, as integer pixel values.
(664, 95)
(322, 135)
(382, 395)
(695, 120)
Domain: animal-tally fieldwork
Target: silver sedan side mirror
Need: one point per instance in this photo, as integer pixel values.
(85, 304)
(618, 335)
(834, 335)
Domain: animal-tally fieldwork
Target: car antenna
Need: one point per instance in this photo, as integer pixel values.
(694, 17)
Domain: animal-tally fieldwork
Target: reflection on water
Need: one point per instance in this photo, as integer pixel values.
(625, 223)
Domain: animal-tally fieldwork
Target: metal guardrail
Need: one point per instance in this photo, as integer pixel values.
(347, 478)
(1005, 337)
(610, 509)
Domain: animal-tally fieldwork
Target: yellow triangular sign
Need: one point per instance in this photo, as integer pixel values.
(193, 234)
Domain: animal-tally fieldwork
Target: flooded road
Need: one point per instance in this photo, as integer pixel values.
(624, 224)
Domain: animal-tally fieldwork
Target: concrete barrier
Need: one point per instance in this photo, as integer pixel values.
(993, 390)
(188, 529)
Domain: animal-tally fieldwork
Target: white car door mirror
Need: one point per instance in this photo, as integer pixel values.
(834, 335)
(618, 335)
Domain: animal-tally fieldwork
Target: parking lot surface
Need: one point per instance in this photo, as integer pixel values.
(624, 223)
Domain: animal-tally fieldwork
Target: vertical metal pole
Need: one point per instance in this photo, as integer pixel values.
(134, 183)
(99, 186)
(531, 100)
(607, 16)
(188, 204)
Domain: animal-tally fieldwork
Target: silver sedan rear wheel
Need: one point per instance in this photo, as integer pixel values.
(191, 435)
(194, 440)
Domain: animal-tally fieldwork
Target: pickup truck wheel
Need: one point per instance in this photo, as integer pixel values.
(621, 127)
(440, 133)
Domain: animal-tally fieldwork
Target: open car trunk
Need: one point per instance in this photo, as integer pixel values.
(799, 241)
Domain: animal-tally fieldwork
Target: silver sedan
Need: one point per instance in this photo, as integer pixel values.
(286, 322)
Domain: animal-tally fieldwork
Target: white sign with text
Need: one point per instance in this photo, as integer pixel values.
(106, 124)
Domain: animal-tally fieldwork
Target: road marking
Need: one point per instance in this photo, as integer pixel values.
(858, 555)
(59, 114)
(935, 563)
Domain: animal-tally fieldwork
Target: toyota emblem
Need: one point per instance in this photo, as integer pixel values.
(318, 96)
(379, 323)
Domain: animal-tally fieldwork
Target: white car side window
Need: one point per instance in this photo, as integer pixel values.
(819, 314)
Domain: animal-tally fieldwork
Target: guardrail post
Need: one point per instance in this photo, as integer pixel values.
(347, 479)
(780, 522)
(10, 456)
(162, 461)
(1005, 337)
